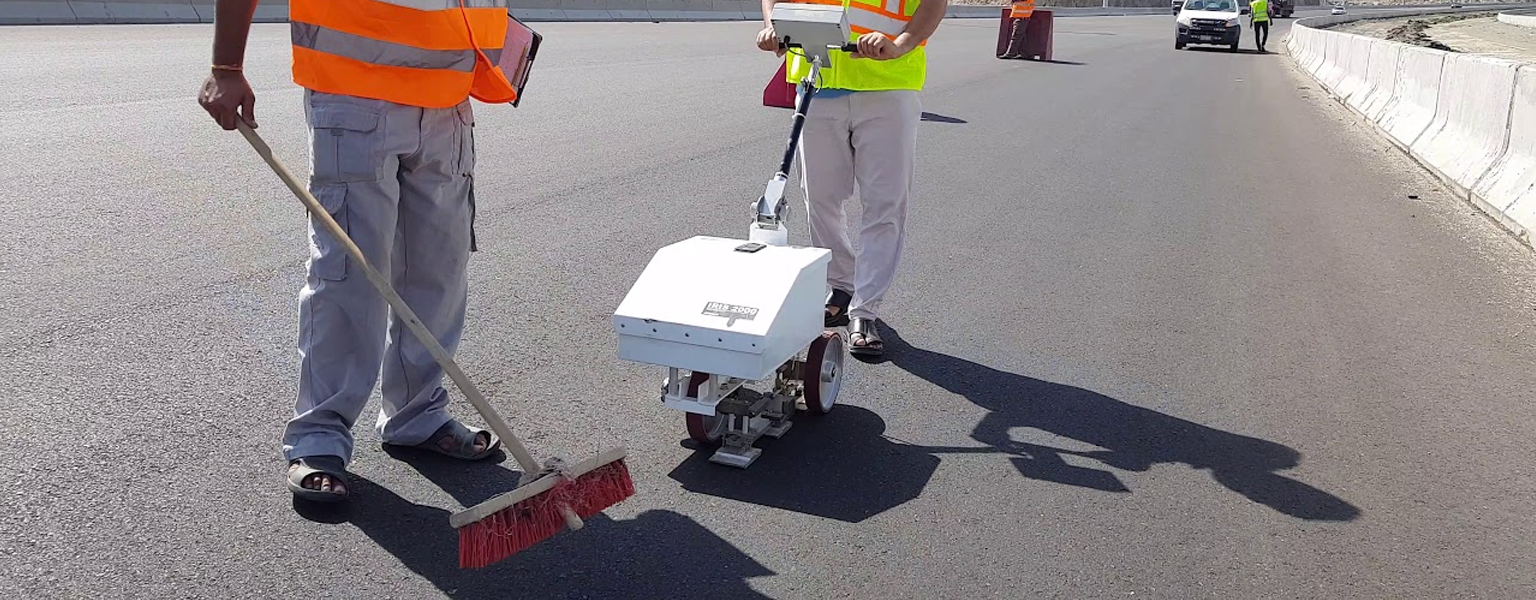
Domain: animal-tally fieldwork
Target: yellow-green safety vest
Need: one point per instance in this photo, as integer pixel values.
(889, 17)
(1260, 9)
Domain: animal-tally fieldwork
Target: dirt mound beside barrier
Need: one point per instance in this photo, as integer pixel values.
(1412, 32)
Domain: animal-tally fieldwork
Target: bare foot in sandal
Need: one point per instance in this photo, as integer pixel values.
(318, 478)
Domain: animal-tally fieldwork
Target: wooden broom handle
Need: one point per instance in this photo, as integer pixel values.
(530, 466)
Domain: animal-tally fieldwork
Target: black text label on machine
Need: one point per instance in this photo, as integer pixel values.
(731, 312)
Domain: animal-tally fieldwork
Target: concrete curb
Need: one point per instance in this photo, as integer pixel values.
(84, 12)
(1470, 120)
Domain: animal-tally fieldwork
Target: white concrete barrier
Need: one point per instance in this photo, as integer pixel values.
(1305, 45)
(1509, 189)
(1518, 19)
(1294, 43)
(36, 13)
(87, 13)
(1332, 71)
(1320, 62)
(1380, 78)
(1471, 124)
(1415, 96)
(1469, 119)
(1317, 45)
(1357, 61)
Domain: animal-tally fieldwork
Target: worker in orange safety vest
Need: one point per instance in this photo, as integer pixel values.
(1021, 12)
(387, 88)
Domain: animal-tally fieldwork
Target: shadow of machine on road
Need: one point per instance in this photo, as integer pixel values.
(1133, 438)
(838, 466)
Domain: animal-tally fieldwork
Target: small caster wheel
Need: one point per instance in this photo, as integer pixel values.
(823, 372)
(704, 429)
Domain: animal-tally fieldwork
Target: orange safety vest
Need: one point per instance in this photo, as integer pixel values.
(427, 53)
(1023, 9)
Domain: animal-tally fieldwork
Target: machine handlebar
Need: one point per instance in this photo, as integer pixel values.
(846, 47)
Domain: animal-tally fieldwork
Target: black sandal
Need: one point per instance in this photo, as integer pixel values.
(863, 339)
(840, 300)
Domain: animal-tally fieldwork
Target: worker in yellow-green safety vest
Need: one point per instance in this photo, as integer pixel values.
(1260, 21)
(862, 128)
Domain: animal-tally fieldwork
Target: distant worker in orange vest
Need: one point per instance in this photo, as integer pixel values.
(1022, 11)
(387, 88)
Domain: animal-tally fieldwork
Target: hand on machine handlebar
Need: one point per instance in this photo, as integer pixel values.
(877, 46)
(768, 41)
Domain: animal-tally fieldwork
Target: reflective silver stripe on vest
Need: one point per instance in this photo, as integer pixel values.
(446, 4)
(346, 45)
(876, 21)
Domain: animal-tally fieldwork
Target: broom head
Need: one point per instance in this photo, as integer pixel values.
(504, 525)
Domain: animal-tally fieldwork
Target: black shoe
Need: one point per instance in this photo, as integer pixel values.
(839, 299)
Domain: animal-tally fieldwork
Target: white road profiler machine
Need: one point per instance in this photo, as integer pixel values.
(739, 324)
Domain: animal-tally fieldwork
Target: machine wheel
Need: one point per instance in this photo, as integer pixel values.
(823, 372)
(704, 429)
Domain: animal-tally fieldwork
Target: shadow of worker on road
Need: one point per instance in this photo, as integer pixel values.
(635, 558)
(1133, 438)
(837, 466)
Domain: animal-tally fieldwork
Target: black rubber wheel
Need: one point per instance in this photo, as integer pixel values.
(704, 429)
(823, 373)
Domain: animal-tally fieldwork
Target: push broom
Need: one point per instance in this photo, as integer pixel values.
(558, 494)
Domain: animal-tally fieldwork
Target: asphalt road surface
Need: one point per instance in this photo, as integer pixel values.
(1171, 325)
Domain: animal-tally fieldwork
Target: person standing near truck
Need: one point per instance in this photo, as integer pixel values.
(1260, 21)
(862, 128)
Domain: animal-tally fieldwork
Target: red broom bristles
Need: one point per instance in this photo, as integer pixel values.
(531, 521)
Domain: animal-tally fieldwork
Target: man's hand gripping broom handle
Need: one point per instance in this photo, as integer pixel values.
(531, 467)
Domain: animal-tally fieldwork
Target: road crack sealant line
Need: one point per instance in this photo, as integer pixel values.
(1469, 120)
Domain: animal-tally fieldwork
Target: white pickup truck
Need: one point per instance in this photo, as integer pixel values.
(1209, 22)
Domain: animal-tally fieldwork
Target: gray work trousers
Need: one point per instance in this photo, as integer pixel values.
(868, 140)
(398, 180)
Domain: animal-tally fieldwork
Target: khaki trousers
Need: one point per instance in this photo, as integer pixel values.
(864, 141)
